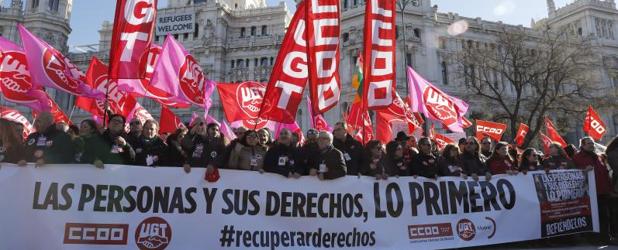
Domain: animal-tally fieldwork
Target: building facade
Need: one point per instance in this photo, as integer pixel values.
(238, 40)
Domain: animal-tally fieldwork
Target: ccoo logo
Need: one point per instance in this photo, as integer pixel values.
(153, 233)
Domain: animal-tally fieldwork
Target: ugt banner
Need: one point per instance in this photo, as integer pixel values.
(132, 207)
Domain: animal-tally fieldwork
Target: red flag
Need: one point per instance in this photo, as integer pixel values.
(594, 125)
(317, 120)
(57, 113)
(432, 132)
(242, 102)
(323, 50)
(553, 134)
(136, 111)
(380, 54)
(441, 141)
(466, 123)
(521, 134)
(492, 129)
(546, 141)
(359, 120)
(15, 116)
(168, 121)
(384, 128)
(131, 37)
(97, 78)
(289, 76)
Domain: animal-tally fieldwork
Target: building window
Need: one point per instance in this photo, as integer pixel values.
(242, 32)
(346, 37)
(196, 32)
(232, 63)
(345, 4)
(176, 37)
(355, 2)
(247, 63)
(272, 60)
(264, 30)
(35, 4)
(615, 124)
(255, 62)
(263, 61)
(53, 5)
(409, 59)
(444, 73)
(253, 30)
(417, 33)
(185, 36)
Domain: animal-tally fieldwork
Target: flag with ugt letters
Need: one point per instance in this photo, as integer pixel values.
(134, 23)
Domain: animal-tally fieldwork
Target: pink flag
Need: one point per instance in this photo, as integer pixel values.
(49, 68)
(317, 121)
(226, 131)
(208, 90)
(140, 113)
(178, 74)
(427, 99)
(15, 81)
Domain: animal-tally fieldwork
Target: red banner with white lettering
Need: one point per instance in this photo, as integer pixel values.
(168, 121)
(359, 122)
(289, 76)
(131, 37)
(493, 130)
(553, 134)
(323, 37)
(521, 134)
(380, 54)
(97, 78)
(594, 125)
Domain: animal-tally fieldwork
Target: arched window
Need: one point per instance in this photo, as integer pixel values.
(417, 33)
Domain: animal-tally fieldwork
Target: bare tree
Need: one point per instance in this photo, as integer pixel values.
(525, 76)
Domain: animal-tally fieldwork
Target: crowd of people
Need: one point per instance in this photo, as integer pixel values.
(322, 154)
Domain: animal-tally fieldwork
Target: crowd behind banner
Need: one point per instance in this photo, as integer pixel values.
(322, 154)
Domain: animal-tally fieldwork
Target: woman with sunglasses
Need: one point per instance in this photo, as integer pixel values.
(472, 161)
(529, 161)
(425, 163)
(395, 162)
(557, 159)
(375, 164)
(248, 154)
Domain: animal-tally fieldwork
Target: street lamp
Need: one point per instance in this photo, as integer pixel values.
(402, 7)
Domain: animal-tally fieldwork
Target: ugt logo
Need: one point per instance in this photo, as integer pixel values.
(153, 233)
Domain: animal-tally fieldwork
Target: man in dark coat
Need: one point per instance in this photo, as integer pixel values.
(112, 147)
(282, 157)
(48, 145)
(329, 163)
(352, 149)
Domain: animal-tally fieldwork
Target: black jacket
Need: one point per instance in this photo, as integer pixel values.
(308, 153)
(448, 167)
(473, 164)
(424, 165)
(283, 160)
(352, 153)
(205, 151)
(56, 145)
(173, 155)
(148, 147)
(333, 159)
(397, 167)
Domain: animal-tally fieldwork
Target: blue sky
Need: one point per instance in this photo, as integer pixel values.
(88, 15)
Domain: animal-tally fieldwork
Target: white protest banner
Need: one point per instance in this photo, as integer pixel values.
(132, 207)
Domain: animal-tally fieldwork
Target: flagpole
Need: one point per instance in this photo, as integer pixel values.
(402, 6)
(71, 114)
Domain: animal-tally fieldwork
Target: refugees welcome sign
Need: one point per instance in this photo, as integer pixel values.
(130, 207)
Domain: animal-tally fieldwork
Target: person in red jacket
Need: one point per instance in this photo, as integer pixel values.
(588, 160)
(500, 161)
